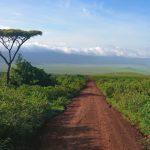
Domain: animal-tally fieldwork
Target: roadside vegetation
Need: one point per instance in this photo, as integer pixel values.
(32, 97)
(130, 94)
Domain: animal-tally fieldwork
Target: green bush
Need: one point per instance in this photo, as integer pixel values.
(25, 73)
(109, 91)
(6, 144)
(23, 110)
(131, 96)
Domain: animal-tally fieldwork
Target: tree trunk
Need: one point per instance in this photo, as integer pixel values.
(8, 74)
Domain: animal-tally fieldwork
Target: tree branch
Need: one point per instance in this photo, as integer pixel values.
(5, 59)
(4, 43)
(23, 40)
(11, 47)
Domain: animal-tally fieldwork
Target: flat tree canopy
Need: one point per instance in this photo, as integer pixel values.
(18, 33)
(14, 38)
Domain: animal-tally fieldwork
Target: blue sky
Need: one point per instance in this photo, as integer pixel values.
(83, 24)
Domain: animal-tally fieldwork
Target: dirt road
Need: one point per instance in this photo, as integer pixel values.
(89, 123)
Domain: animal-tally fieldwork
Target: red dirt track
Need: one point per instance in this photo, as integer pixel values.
(89, 123)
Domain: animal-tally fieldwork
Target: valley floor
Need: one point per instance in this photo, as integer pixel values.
(89, 123)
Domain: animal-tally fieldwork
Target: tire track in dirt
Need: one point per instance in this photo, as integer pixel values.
(89, 123)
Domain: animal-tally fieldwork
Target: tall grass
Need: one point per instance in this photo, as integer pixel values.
(130, 94)
(23, 110)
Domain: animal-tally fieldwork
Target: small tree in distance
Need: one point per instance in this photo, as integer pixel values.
(12, 40)
(25, 73)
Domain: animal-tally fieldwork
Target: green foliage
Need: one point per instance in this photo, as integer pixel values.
(19, 33)
(2, 79)
(25, 73)
(23, 110)
(6, 144)
(131, 95)
(110, 91)
(11, 38)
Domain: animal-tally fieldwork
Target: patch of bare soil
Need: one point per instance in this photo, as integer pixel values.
(89, 123)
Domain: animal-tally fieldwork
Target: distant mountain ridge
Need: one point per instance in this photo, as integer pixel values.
(43, 56)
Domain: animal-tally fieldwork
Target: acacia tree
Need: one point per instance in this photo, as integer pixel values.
(12, 40)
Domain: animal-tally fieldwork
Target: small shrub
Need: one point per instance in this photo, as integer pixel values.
(109, 91)
(25, 73)
(130, 95)
(24, 109)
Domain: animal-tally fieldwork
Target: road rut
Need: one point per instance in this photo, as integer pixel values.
(89, 123)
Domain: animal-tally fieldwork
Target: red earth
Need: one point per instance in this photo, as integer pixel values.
(89, 123)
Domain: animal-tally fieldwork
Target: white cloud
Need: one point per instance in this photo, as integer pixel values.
(17, 14)
(4, 27)
(35, 44)
(85, 11)
(107, 50)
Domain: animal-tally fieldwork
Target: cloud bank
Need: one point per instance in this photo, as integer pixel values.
(4, 27)
(107, 50)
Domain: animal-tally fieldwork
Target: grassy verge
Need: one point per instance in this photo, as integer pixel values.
(130, 94)
(23, 110)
